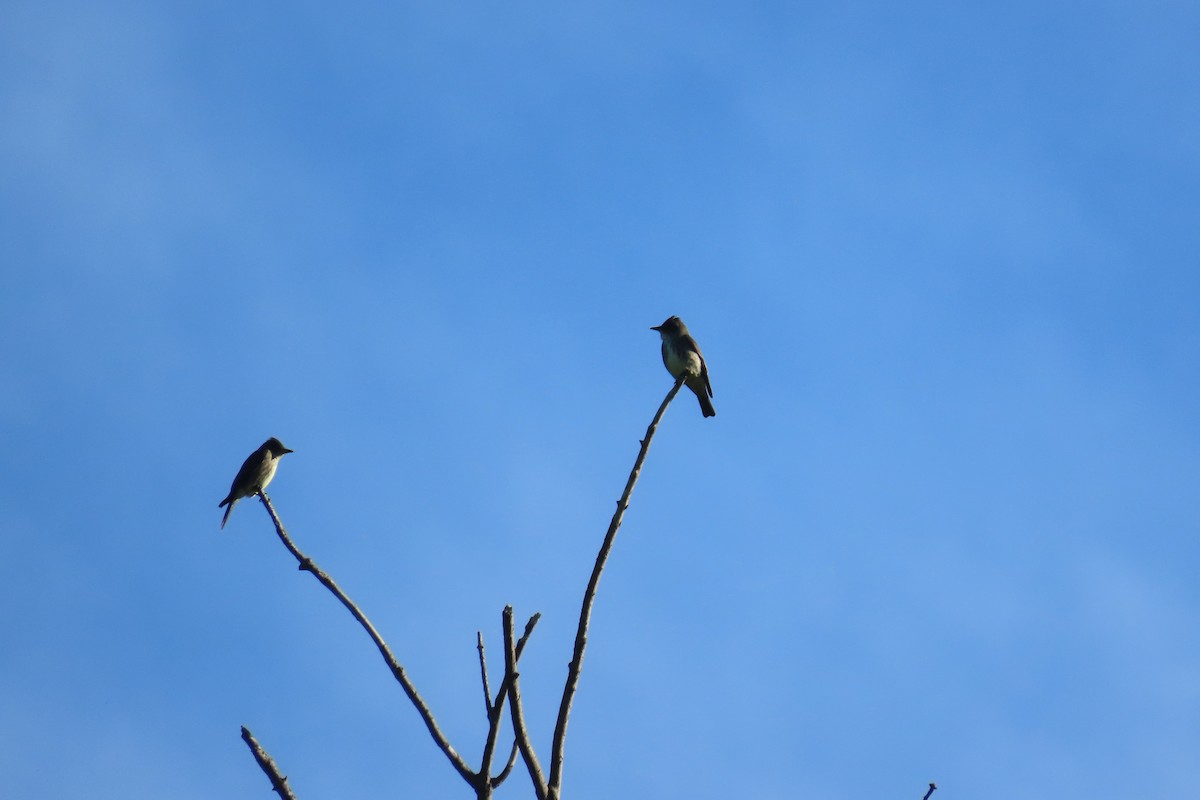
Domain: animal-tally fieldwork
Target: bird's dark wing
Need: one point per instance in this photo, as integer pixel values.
(690, 342)
(251, 472)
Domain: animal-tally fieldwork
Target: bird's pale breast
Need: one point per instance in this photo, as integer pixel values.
(679, 363)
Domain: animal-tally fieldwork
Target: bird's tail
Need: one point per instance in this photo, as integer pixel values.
(701, 392)
(228, 511)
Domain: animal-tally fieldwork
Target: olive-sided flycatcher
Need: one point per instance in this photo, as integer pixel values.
(681, 355)
(255, 474)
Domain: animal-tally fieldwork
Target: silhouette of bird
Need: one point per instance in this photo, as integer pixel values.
(256, 472)
(681, 356)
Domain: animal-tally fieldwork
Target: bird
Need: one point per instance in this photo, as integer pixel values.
(681, 356)
(256, 472)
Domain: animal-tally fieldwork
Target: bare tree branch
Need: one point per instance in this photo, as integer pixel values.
(589, 597)
(267, 764)
(932, 789)
(487, 690)
(494, 715)
(511, 680)
(512, 761)
(308, 565)
(529, 626)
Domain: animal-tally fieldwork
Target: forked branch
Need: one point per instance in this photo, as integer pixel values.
(495, 709)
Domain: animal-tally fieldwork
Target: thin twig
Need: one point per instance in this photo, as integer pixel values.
(308, 565)
(512, 761)
(495, 712)
(267, 764)
(511, 679)
(487, 690)
(932, 789)
(589, 597)
(529, 626)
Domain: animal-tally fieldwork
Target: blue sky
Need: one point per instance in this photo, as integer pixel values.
(942, 260)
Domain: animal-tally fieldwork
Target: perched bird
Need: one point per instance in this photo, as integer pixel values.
(255, 474)
(681, 355)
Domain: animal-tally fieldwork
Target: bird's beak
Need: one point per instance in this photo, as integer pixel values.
(285, 450)
(656, 328)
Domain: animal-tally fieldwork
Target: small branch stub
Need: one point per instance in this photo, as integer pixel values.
(267, 765)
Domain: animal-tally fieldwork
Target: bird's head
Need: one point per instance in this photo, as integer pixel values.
(672, 327)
